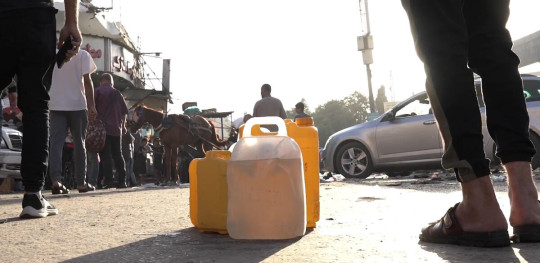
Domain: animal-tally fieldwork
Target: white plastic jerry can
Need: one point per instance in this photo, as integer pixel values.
(266, 191)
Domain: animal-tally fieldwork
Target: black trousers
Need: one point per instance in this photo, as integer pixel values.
(28, 42)
(455, 38)
(113, 153)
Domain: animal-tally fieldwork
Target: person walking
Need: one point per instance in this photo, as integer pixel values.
(454, 39)
(157, 162)
(139, 158)
(71, 106)
(127, 153)
(28, 33)
(112, 110)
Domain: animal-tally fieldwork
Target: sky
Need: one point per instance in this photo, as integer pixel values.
(223, 51)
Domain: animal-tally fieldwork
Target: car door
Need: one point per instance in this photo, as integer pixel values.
(412, 136)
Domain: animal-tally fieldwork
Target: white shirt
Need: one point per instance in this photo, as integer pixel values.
(67, 88)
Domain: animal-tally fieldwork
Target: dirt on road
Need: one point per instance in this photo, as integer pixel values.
(360, 221)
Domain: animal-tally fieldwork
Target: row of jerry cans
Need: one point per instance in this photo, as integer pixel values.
(266, 188)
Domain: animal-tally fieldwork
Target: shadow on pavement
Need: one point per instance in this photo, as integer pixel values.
(459, 254)
(189, 245)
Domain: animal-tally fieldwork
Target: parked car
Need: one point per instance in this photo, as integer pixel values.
(406, 138)
(10, 153)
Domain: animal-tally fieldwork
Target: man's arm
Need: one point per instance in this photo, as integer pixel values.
(89, 92)
(255, 111)
(71, 28)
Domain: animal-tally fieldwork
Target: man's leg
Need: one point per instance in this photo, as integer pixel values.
(93, 168)
(116, 152)
(441, 36)
(492, 58)
(35, 50)
(36, 53)
(77, 124)
(525, 208)
(107, 163)
(58, 131)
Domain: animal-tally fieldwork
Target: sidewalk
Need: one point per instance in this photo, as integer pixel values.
(360, 221)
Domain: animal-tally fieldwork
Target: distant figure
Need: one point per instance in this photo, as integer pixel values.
(157, 162)
(299, 109)
(71, 106)
(139, 158)
(127, 152)
(112, 109)
(268, 105)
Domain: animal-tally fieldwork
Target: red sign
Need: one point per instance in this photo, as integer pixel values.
(93, 53)
(120, 64)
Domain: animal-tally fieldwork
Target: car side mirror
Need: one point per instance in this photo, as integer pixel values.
(389, 116)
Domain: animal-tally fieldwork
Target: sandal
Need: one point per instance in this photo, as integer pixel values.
(526, 234)
(448, 231)
(86, 188)
(60, 190)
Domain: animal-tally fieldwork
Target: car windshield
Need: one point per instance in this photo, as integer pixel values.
(531, 90)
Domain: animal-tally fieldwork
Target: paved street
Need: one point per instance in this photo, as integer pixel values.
(375, 220)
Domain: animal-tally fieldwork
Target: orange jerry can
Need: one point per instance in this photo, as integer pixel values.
(208, 191)
(307, 136)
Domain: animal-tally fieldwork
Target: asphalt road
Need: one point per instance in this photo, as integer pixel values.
(375, 220)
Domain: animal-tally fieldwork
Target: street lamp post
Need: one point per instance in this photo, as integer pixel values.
(365, 44)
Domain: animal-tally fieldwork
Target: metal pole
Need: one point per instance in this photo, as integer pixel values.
(365, 53)
(371, 100)
(367, 19)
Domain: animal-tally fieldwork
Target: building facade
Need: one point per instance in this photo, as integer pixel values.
(114, 52)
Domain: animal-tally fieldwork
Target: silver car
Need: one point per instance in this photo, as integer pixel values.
(10, 153)
(406, 138)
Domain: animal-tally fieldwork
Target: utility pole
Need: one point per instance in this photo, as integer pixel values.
(365, 44)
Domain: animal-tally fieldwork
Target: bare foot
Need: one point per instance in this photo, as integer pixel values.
(525, 208)
(480, 211)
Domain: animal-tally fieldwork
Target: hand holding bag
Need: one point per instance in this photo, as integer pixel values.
(95, 136)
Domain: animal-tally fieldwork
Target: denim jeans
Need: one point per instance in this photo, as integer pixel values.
(455, 38)
(92, 170)
(130, 176)
(60, 122)
(28, 39)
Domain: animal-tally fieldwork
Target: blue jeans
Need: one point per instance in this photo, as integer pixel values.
(28, 37)
(130, 176)
(455, 38)
(92, 173)
(60, 122)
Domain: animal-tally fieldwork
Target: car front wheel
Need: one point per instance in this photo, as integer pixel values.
(353, 161)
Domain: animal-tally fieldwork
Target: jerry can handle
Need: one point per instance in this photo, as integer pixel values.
(282, 129)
